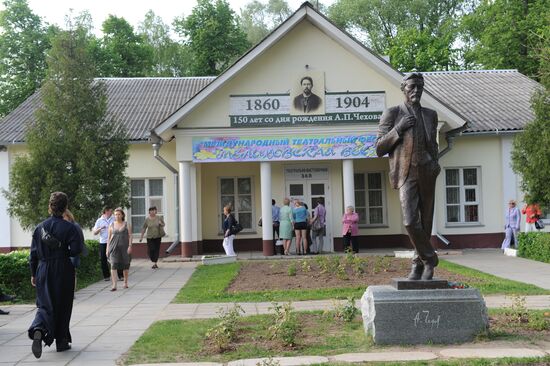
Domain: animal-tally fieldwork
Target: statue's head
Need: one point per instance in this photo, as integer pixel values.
(413, 86)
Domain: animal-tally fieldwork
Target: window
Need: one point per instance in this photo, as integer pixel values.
(237, 192)
(144, 194)
(462, 195)
(370, 198)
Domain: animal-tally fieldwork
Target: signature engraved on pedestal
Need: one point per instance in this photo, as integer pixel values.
(423, 317)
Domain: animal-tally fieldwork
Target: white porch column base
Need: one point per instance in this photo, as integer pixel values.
(186, 235)
(348, 183)
(267, 228)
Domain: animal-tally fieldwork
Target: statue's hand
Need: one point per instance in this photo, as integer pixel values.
(405, 123)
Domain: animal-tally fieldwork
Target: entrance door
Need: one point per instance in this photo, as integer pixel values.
(312, 191)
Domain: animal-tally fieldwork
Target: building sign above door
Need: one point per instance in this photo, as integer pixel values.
(283, 148)
(275, 110)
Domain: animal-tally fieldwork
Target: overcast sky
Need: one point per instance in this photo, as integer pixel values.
(54, 11)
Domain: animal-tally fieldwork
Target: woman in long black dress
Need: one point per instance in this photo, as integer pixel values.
(54, 241)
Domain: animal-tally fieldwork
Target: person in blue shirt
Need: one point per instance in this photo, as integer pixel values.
(300, 216)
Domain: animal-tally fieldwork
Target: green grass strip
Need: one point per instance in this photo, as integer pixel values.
(184, 341)
(208, 284)
(492, 285)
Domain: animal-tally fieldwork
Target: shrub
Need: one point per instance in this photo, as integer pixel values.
(346, 311)
(15, 275)
(89, 270)
(285, 326)
(225, 330)
(534, 245)
(292, 269)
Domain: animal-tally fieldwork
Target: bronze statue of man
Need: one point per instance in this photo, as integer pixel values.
(407, 133)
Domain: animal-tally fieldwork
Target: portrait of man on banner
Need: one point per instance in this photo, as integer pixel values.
(308, 94)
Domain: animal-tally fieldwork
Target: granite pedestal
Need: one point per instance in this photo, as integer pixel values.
(446, 316)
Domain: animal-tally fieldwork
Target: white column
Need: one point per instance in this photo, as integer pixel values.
(194, 197)
(267, 228)
(6, 239)
(186, 234)
(348, 183)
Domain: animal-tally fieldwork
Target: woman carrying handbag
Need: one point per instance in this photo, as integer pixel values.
(155, 231)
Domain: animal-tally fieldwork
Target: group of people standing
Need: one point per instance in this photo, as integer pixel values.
(298, 222)
(294, 220)
(532, 214)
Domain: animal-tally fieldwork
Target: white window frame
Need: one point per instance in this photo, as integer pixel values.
(252, 228)
(148, 201)
(362, 222)
(462, 197)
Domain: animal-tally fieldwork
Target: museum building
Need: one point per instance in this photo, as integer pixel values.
(254, 134)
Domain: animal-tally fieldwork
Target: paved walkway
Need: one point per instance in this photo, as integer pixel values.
(494, 262)
(105, 324)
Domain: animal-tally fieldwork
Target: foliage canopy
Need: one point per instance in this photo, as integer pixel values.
(23, 43)
(72, 147)
(213, 35)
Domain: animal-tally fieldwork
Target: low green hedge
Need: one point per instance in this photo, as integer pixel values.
(534, 245)
(15, 276)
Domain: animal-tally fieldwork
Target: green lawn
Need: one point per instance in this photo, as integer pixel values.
(320, 334)
(208, 284)
(184, 340)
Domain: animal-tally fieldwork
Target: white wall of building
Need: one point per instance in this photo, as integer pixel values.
(5, 227)
(475, 151)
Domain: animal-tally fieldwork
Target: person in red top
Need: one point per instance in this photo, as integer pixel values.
(532, 212)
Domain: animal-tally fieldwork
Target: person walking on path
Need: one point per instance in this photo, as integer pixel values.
(228, 235)
(350, 229)
(68, 215)
(532, 213)
(285, 225)
(155, 231)
(119, 247)
(511, 225)
(101, 227)
(54, 241)
(318, 227)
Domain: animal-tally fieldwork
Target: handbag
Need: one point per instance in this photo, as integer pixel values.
(162, 232)
(235, 228)
(317, 226)
(539, 225)
(47, 238)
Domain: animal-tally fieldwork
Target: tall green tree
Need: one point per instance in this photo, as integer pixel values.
(23, 43)
(504, 34)
(258, 19)
(213, 35)
(170, 58)
(531, 152)
(416, 34)
(72, 146)
(122, 52)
